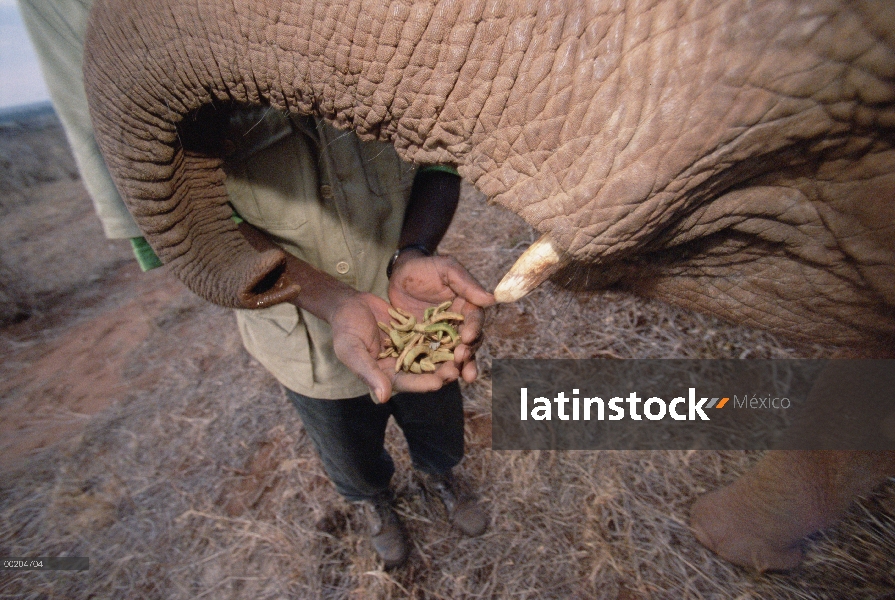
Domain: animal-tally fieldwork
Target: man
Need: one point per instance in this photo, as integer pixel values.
(360, 226)
(348, 208)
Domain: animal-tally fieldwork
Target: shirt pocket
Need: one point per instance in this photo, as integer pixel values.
(383, 172)
(284, 316)
(278, 339)
(386, 173)
(274, 188)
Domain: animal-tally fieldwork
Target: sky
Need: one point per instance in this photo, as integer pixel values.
(20, 78)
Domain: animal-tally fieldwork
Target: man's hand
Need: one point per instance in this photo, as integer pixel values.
(353, 315)
(419, 281)
(358, 341)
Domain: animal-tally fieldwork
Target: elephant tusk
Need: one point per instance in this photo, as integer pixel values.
(536, 264)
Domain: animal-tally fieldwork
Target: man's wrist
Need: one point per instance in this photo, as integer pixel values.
(405, 250)
(322, 295)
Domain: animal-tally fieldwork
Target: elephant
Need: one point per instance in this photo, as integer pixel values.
(735, 157)
(761, 518)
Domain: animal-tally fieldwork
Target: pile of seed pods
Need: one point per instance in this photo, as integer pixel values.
(420, 346)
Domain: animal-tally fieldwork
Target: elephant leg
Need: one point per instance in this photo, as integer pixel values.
(762, 518)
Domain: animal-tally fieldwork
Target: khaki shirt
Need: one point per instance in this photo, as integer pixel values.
(337, 204)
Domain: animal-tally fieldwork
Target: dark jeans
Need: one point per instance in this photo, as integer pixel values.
(349, 434)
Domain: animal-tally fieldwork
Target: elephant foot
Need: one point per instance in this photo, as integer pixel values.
(762, 519)
(742, 536)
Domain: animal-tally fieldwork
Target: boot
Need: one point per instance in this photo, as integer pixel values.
(462, 507)
(387, 532)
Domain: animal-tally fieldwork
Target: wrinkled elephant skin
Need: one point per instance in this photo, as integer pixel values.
(732, 157)
(762, 519)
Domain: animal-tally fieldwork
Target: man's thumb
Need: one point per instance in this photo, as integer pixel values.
(380, 386)
(355, 357)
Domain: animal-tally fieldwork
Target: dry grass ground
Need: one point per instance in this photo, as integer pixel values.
(137, 432)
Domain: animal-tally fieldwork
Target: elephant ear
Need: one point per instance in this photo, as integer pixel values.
(176, 197)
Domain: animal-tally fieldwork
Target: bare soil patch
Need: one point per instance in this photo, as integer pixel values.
(135, 430)
(63, 382)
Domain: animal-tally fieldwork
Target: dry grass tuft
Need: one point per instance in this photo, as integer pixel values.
(14, 301)
(199, 482)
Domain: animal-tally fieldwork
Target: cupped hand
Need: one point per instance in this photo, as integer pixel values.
(419, 282)
(358, 341)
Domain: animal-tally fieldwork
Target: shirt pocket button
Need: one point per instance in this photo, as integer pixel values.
(342, 267)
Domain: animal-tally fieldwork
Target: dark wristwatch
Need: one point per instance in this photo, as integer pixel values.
(394, 258)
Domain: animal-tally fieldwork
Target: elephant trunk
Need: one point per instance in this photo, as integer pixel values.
(177, 198)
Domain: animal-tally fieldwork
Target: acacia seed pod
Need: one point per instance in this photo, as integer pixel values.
(440, 356)
(412, 343)
(445, 327)
(408, 325)
(411, 356)
(447, 316)
(396, 338)
(397, 316)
